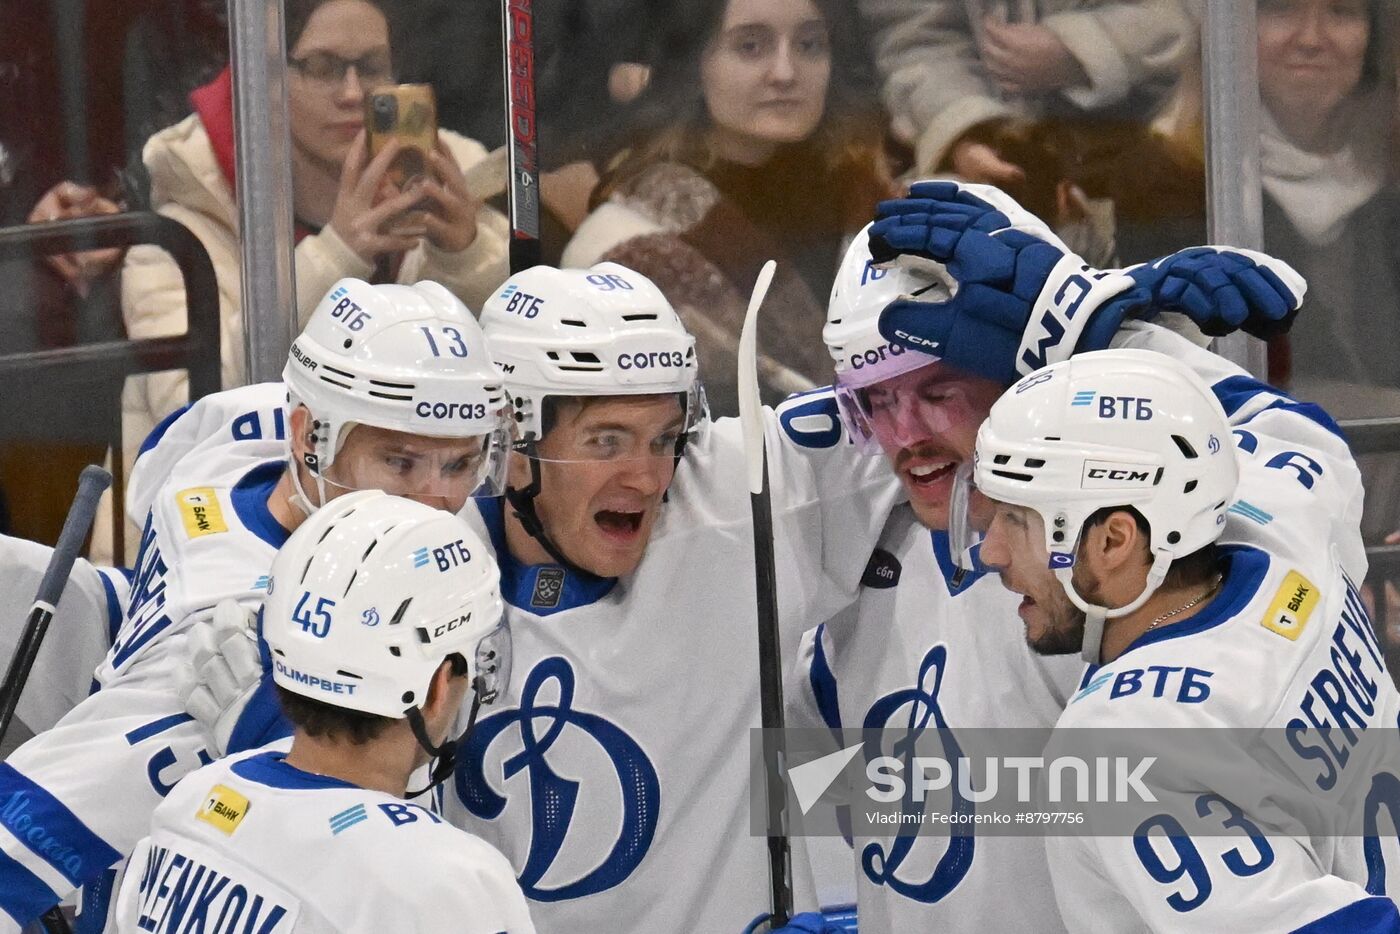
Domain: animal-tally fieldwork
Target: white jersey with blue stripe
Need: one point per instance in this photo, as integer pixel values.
(922, 652)
(253, 844)
(1286, 654)
(206, 534)
(615, 772)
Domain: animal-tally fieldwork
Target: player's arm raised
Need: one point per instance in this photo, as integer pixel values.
(1023, 300)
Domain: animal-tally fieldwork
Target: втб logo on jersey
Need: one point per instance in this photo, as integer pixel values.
(910, 710)
(552, 799)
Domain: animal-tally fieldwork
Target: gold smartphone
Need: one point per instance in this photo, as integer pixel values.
(407, 112)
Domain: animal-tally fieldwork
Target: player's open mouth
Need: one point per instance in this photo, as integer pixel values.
(623, 524)
(929, 474)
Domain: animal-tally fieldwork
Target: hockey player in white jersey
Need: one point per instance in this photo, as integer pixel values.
(616, 773)
(915, 654)
(1205, 548)
(374, 653)
(391, 388)
(916, 650)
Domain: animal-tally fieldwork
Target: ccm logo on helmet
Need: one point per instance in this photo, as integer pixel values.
(1100, 475)
(451, 410)
(1103, 473)
(875, 355)
(444, 628)
(649, 359)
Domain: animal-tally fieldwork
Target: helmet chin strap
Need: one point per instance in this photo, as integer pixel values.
(1096, 616)
(444, 757)
(299, 499)
(313, 460)
(522, 503)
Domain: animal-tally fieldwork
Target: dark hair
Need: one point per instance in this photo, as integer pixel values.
(299, 12)
(1149, 181)
(315, 718)
(1198, 567)
(668, 120)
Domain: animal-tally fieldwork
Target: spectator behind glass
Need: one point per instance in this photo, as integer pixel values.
(757, 137)
(955, 66)
(350, 220)
(1326, 79)
(1327, 100)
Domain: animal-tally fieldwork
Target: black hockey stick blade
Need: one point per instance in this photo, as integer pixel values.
(765, 575)
(91, 484)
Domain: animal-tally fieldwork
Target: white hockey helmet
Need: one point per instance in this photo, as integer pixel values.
(852, 333)
(407, 358)
(371, 594)
(603, 331)
(1112, 428)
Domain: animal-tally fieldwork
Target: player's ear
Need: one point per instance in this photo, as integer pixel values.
(441, 694)
(301, 431)
(1117, 542)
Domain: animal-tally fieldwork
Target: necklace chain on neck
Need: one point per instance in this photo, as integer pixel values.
(1188, 604)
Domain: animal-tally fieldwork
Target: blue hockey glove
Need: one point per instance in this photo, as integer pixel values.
(1224, 289)
(808, 922)
(1024, 300)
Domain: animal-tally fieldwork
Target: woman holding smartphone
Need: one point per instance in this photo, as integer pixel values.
(350, 219)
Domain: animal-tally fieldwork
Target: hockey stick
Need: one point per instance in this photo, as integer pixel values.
(70, 541)
(518, 30)
(54, 921)
(770, 676)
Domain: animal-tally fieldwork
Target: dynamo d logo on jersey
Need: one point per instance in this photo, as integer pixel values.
(522, 740)
(915, 710)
